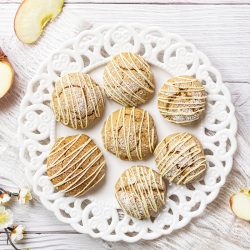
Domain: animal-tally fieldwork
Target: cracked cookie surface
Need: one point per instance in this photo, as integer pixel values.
(130, 134)
(128, 79)
(77, 101)
(180, 158)
(75, 164)
(182, 100)
(140, 191)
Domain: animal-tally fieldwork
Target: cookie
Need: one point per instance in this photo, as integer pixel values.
(180, 158)
(77, 101)
(140, 191)
(128, 79)
(130, 134)
(182, 100)
(75, 165)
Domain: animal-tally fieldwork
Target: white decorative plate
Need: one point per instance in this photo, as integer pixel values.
(98, 213)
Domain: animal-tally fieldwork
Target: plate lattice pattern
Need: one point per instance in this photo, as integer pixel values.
(91, 49)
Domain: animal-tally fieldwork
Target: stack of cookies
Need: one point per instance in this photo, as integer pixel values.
(76, 164)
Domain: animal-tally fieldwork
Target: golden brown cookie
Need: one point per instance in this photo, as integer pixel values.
(75, 164)
(130, 134)
(182, 99)
(77, 101)
(140, 191)
(180, 158)
(128, 79)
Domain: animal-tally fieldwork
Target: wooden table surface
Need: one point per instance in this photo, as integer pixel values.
(221, 29)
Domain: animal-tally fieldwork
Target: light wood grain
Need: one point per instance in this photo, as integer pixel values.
(66, 241)
(214, 2)
(220, 31)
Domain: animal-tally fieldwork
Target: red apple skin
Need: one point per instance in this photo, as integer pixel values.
(2, 56)
(231, 202)
(4, 60)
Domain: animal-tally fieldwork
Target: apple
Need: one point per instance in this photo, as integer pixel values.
(33, 15)
(240, 204)
(6, 74)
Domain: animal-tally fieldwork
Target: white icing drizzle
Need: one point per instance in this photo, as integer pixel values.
(83, 168)
(139, 192)
(122, 91)
(130, 131)
(77, 105)
(184, 159)
(182, 106)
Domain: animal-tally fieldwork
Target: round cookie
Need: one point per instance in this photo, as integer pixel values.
(128, 79)
(130, 134)
(140, 191)
(75, 164)
(77, 101)
(180, 158)
(182, 100)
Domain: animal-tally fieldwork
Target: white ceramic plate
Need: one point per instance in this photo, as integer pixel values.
(98, 213)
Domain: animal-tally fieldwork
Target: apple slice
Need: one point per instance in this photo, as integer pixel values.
(240, 204)
(6, 74)
(33, 15)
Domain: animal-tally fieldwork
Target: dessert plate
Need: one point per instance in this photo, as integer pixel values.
(98, 213)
